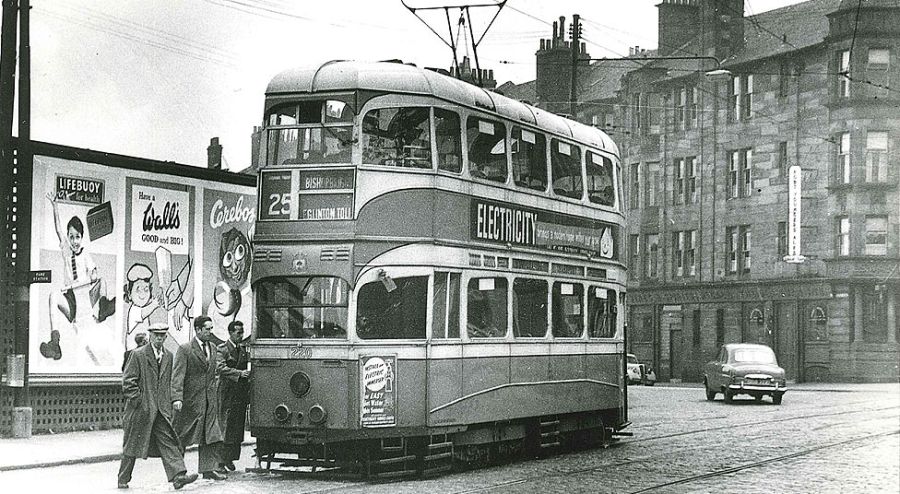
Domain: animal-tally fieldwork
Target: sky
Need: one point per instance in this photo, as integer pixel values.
(158, 78)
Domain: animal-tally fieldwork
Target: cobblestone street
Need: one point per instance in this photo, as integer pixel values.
(817, 441)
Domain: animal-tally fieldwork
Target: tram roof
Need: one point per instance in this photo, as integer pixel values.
(398, 77)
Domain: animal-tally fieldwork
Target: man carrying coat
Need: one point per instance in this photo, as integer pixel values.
(147, 424)
(195, 397)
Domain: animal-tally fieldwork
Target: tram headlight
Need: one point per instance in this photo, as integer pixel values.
(300, 384)
(317, 414)
(282, 413)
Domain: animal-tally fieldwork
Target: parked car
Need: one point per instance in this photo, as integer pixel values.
(638, 372)
(744, 369)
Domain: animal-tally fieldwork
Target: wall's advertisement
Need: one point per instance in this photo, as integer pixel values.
(125, 249)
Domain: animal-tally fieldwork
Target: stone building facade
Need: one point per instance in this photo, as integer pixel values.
(708, 143)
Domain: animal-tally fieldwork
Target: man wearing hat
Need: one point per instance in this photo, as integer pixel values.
(147, 425)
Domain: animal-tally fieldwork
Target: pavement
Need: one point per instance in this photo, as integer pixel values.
(48, 450)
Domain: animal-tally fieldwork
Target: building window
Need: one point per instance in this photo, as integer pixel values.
(695, 327)
(842, 225)
(691, 105)
(738, 244)
(691, 180)
(878, 70)
(782, 160)
(843, 78)
(650, 185)
(651, 243)
(678, 196)
(876, 236)
(678, 254)
(745, 248)
(740, 177)
(741, 97)
(635, 192)
(842, 169)
(690, 245)
(782, 242)
(876, 156)
(634, 250)
(678, 100)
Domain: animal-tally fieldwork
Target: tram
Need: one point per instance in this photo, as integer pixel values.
(437, 275)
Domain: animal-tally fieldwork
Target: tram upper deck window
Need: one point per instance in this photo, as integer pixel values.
(448, 134)
(486, 313)
(529, 308)
(568, 315)
(309, 132)
(391, 310)
(529, 159)
(566, 161)
(301, 307)
(600, 179)
(397, 137)
(487, 149)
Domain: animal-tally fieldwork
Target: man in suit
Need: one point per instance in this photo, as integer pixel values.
(235, 391)
(147, 424)
(195, 397)
(140, 340)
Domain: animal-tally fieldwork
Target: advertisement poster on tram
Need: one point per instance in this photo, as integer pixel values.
(227, 231)
(159, 261)
(379, 397)
(75, 238)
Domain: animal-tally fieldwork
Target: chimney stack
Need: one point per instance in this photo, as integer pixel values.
(214, 154)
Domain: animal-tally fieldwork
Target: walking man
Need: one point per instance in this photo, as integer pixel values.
(235, 388)
(147, 424)
(195, 397)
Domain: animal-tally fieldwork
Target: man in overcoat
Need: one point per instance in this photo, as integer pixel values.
(234, 386)
(195, 397)
(147, 424)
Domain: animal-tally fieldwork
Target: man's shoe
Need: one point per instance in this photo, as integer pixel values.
(230, 465)
(214, 475)
(123, 485)
(182, 480)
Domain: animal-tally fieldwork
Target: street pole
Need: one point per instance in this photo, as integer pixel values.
(576, 37)
(23, 215)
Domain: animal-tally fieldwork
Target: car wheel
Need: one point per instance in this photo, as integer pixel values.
(710, 394)
(729, 395)
(650, 383)
(758, 398)
(776, 398)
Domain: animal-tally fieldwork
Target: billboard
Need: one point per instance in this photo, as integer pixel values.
(125, 249)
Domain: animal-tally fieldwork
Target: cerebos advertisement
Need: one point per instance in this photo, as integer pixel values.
(228, 257)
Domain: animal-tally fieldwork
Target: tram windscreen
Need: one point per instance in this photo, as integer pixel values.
(301, 307)
(309, 132)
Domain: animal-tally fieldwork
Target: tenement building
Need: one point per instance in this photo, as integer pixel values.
(760, 156)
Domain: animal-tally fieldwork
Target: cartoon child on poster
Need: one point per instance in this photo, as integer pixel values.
(235, 260)
(172, 302)
(83, 284)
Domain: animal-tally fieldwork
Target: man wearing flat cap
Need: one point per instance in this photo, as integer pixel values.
(147, 425)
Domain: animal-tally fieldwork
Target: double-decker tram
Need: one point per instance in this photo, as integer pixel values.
(436, 276)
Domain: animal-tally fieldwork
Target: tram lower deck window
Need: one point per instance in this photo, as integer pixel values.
(301, 307)
(486, 314)
(398, 313)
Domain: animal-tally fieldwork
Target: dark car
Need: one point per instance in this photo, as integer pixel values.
(744, 369)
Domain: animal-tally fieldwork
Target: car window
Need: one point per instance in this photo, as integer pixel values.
(754, 355)
(632, 359)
